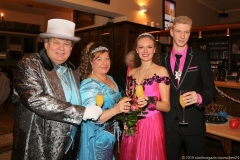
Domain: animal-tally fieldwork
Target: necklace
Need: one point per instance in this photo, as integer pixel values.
(105, 82)
(144, 74)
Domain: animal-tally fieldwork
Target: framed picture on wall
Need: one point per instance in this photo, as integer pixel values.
(83, 19)
(169, 13)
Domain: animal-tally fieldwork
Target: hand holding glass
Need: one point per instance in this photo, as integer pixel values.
(99, 100)
(139, 93)
(183, 106)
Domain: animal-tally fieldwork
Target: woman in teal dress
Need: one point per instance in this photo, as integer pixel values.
(98, 137)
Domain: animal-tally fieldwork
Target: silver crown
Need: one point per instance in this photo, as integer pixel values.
(100, 48)
(145, 34)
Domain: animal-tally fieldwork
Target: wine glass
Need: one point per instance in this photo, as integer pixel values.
(139, 93)
(99, 99)
(183, 106)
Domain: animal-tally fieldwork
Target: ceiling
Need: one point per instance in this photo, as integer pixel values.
(220, 5)
(34, 7)
(28, 6)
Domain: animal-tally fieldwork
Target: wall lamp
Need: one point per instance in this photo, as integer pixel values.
(143, 8)
(2, 16)
(228, 32)
(200, 34)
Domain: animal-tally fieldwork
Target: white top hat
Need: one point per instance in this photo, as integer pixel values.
(60, 28)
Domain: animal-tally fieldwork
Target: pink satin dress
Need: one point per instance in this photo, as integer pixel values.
(148, 143)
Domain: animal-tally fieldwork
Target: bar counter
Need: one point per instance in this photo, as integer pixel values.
(225, 134)
(228, 84)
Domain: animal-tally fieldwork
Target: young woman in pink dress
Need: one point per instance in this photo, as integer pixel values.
(148, 142)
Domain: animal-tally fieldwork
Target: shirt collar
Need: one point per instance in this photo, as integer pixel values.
(183, 52)
(57, 65)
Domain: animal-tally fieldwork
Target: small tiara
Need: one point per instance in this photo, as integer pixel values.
(100, 48)
(145, 34)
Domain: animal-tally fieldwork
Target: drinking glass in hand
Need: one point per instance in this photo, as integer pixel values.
(99, 100)
(139, 93)
(129, 90)
(183, 106)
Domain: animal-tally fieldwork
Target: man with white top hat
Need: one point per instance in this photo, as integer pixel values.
(47, 101)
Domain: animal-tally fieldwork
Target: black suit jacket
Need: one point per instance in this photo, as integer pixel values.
(196, 76)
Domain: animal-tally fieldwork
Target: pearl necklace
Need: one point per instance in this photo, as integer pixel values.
(105, 82)
(144, 74)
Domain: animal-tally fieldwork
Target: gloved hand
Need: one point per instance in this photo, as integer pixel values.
(92, 112)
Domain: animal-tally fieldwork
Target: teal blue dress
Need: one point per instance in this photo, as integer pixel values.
(97, 140)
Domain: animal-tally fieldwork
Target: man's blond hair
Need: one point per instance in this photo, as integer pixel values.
(182, 20)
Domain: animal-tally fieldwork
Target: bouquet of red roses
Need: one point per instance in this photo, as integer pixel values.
(130, 119)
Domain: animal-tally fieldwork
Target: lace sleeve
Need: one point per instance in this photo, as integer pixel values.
(158, 79)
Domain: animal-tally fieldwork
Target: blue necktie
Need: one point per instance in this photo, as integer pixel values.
(62, 70)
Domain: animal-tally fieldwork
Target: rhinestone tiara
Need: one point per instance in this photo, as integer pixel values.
(100, 48)
(145, 34)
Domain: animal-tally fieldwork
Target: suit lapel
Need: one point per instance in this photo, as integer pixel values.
(55, 83)
(168, 67)
(187, 63)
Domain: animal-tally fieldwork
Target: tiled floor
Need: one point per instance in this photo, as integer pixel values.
(214, 147)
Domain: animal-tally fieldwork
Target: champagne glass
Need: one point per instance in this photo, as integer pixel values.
(129, 90)
(139, 93)
(183, 106)
(99, 99)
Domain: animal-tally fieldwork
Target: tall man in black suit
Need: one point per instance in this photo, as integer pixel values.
(192, 73)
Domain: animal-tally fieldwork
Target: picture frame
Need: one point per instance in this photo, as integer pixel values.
(82, 19)
(169, 13)
(103, 1)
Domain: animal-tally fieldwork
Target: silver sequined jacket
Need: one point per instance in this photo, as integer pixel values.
(41, 131)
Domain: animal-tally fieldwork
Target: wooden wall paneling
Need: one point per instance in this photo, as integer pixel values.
(106, 36)
(75, 56)
(76, 53)
(119, 45)
(134, 32)
(119, 37)
(95, 35)
(40, 46)
(85, 39)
